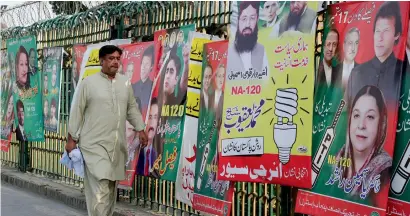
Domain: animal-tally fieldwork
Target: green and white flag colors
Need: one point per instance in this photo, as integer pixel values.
(26, 81)
(210, 194)
(51, 86)
(184, 187)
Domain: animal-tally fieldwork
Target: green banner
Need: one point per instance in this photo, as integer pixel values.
(26, 88)
(210, 194)
(52, 65)
(7, 112)
(171, 93)
(399, 197)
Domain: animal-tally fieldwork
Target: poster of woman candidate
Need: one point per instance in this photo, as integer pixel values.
(52, 65)
(355, 110)
(268, 98)
(27, 95)
(211, 195)
(137, 60)
(167, 105)
(399, 197)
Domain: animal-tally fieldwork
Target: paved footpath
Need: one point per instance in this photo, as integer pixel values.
(19, 202)
(26, 194)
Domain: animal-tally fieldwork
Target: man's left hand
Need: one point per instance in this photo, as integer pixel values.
(143, 138)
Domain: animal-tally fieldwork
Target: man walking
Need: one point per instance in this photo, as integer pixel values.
(103, 103)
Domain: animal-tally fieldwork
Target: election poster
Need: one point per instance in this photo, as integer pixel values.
(399, 197)
(184, 187)
(211, 195)
(356, 109)
(268, 98)
(7, 108)
(138, 61)
(168, 100)
(51, 77)
(77, 58)
(27, 97)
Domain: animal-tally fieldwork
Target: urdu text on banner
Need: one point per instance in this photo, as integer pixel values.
(355, 110)
(267, 112)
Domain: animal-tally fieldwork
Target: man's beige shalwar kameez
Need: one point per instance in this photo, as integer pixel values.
(97, 122)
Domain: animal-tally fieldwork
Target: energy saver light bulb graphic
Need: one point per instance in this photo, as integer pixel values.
(284, 134)
(402, 174)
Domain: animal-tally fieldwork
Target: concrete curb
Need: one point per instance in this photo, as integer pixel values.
(69, 195)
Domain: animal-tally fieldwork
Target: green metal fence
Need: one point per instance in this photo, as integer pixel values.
(137, 20)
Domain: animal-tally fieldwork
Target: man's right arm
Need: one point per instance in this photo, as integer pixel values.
(76, 116)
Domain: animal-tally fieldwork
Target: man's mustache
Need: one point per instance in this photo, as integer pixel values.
(247, 28)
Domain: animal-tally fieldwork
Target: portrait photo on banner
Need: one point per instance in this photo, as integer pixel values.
(268, 98)
(27, 95)
(169, 97)
(356, 103)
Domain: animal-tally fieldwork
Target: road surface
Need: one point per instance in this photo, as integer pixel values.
(17, 202)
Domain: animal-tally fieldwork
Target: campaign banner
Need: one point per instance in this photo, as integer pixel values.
(138, 61)
(399, 196)
(27, 95)
(355, 111)
(268, 101)
(168, 102)
(52, 67)
(7, 108)
(76, 58)
(184, 186)
(211, 195)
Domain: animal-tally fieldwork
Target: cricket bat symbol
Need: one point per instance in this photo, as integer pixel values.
(402, 174)
(324, 147)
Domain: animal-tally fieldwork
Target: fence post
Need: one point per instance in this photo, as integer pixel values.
(120, 28)
(285, 200)
(23, 156)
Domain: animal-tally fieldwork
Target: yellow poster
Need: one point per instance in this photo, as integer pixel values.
(266, 134)
(194, 77)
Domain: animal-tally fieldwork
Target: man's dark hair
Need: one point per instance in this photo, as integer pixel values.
(149, 52)
(245, 4)
(390, 9)
(32, 50)
(154, 101)
(108, 49)
(19, 104)
(54, 102)
(177, 62)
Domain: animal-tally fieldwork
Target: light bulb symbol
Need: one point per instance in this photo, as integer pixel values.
(284, 134)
